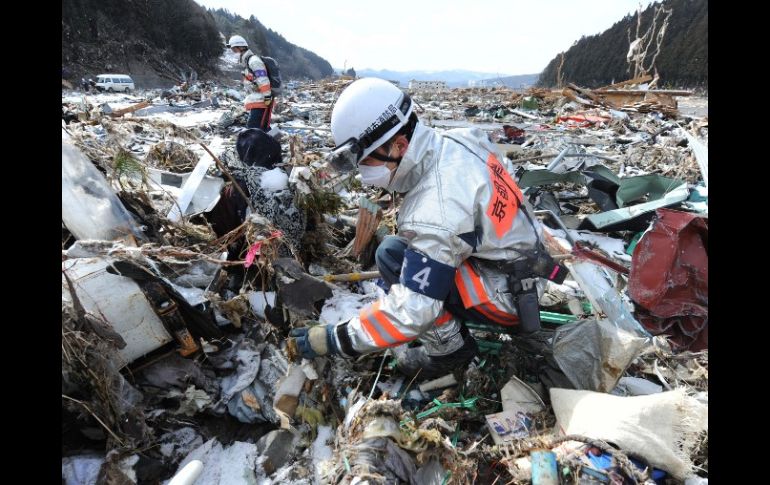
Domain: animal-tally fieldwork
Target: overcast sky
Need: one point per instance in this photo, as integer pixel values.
(494, 36)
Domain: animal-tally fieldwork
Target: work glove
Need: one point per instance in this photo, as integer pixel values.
(268, 100)
(311, 342)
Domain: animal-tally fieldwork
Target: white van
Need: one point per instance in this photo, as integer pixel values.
(114, 83)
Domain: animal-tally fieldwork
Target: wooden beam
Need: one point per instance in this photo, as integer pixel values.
(636, 80)
(120, 112)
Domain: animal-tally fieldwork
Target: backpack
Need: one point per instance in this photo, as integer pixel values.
(273, 73)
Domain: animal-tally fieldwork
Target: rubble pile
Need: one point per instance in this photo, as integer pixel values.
(174, 355)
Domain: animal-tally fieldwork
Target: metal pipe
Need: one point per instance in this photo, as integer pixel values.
(558, 222)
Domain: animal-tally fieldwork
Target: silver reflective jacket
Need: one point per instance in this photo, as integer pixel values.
(461, 209)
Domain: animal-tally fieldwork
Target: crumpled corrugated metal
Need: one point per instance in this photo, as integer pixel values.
(669, 279)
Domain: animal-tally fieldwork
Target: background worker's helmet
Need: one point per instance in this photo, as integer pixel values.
(237, 41)
(367, 114)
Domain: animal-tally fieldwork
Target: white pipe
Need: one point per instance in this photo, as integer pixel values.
(189, 474)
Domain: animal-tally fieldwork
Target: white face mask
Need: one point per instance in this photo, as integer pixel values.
(378, 175)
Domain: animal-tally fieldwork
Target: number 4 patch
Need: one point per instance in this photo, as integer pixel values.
(423, 278)
(427, 276)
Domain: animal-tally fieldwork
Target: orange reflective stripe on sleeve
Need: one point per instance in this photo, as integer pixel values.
(370, 328)
(380, 317)
(474, 296)
(464, 295)
(495, 314)
(373, 333)
(466, 284)
(485, 310)
(377, 325)
(478, 287)
(443, 318)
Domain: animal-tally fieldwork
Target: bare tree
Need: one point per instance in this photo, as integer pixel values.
(559, 74)
(638, 50)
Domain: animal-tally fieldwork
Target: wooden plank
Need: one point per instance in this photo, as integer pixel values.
(120, 112)
(636, 80)
(672, 92)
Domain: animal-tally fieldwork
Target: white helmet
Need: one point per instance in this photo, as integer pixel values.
(367, 114)
(237, 41)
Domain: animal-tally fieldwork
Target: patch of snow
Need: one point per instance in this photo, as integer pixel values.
(343, 305)
(188, 118)
(322, 452)
(274, 180)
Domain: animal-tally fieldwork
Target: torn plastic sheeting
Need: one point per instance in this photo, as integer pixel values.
(382, 427)
(594, 353)
(204, 198)
(611, 220)
(661, 428)
(669, 278)
(191, 401)
(383, 457)
(90, 208)
(598, 287)
(249, 392)
(189, 285)
(431, 473)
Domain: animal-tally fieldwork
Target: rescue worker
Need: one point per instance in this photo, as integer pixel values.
(468, 248)
(259, 100)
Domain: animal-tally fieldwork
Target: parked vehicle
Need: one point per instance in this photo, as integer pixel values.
(114, 83)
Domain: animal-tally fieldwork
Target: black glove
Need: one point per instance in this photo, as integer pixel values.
(314, 341)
